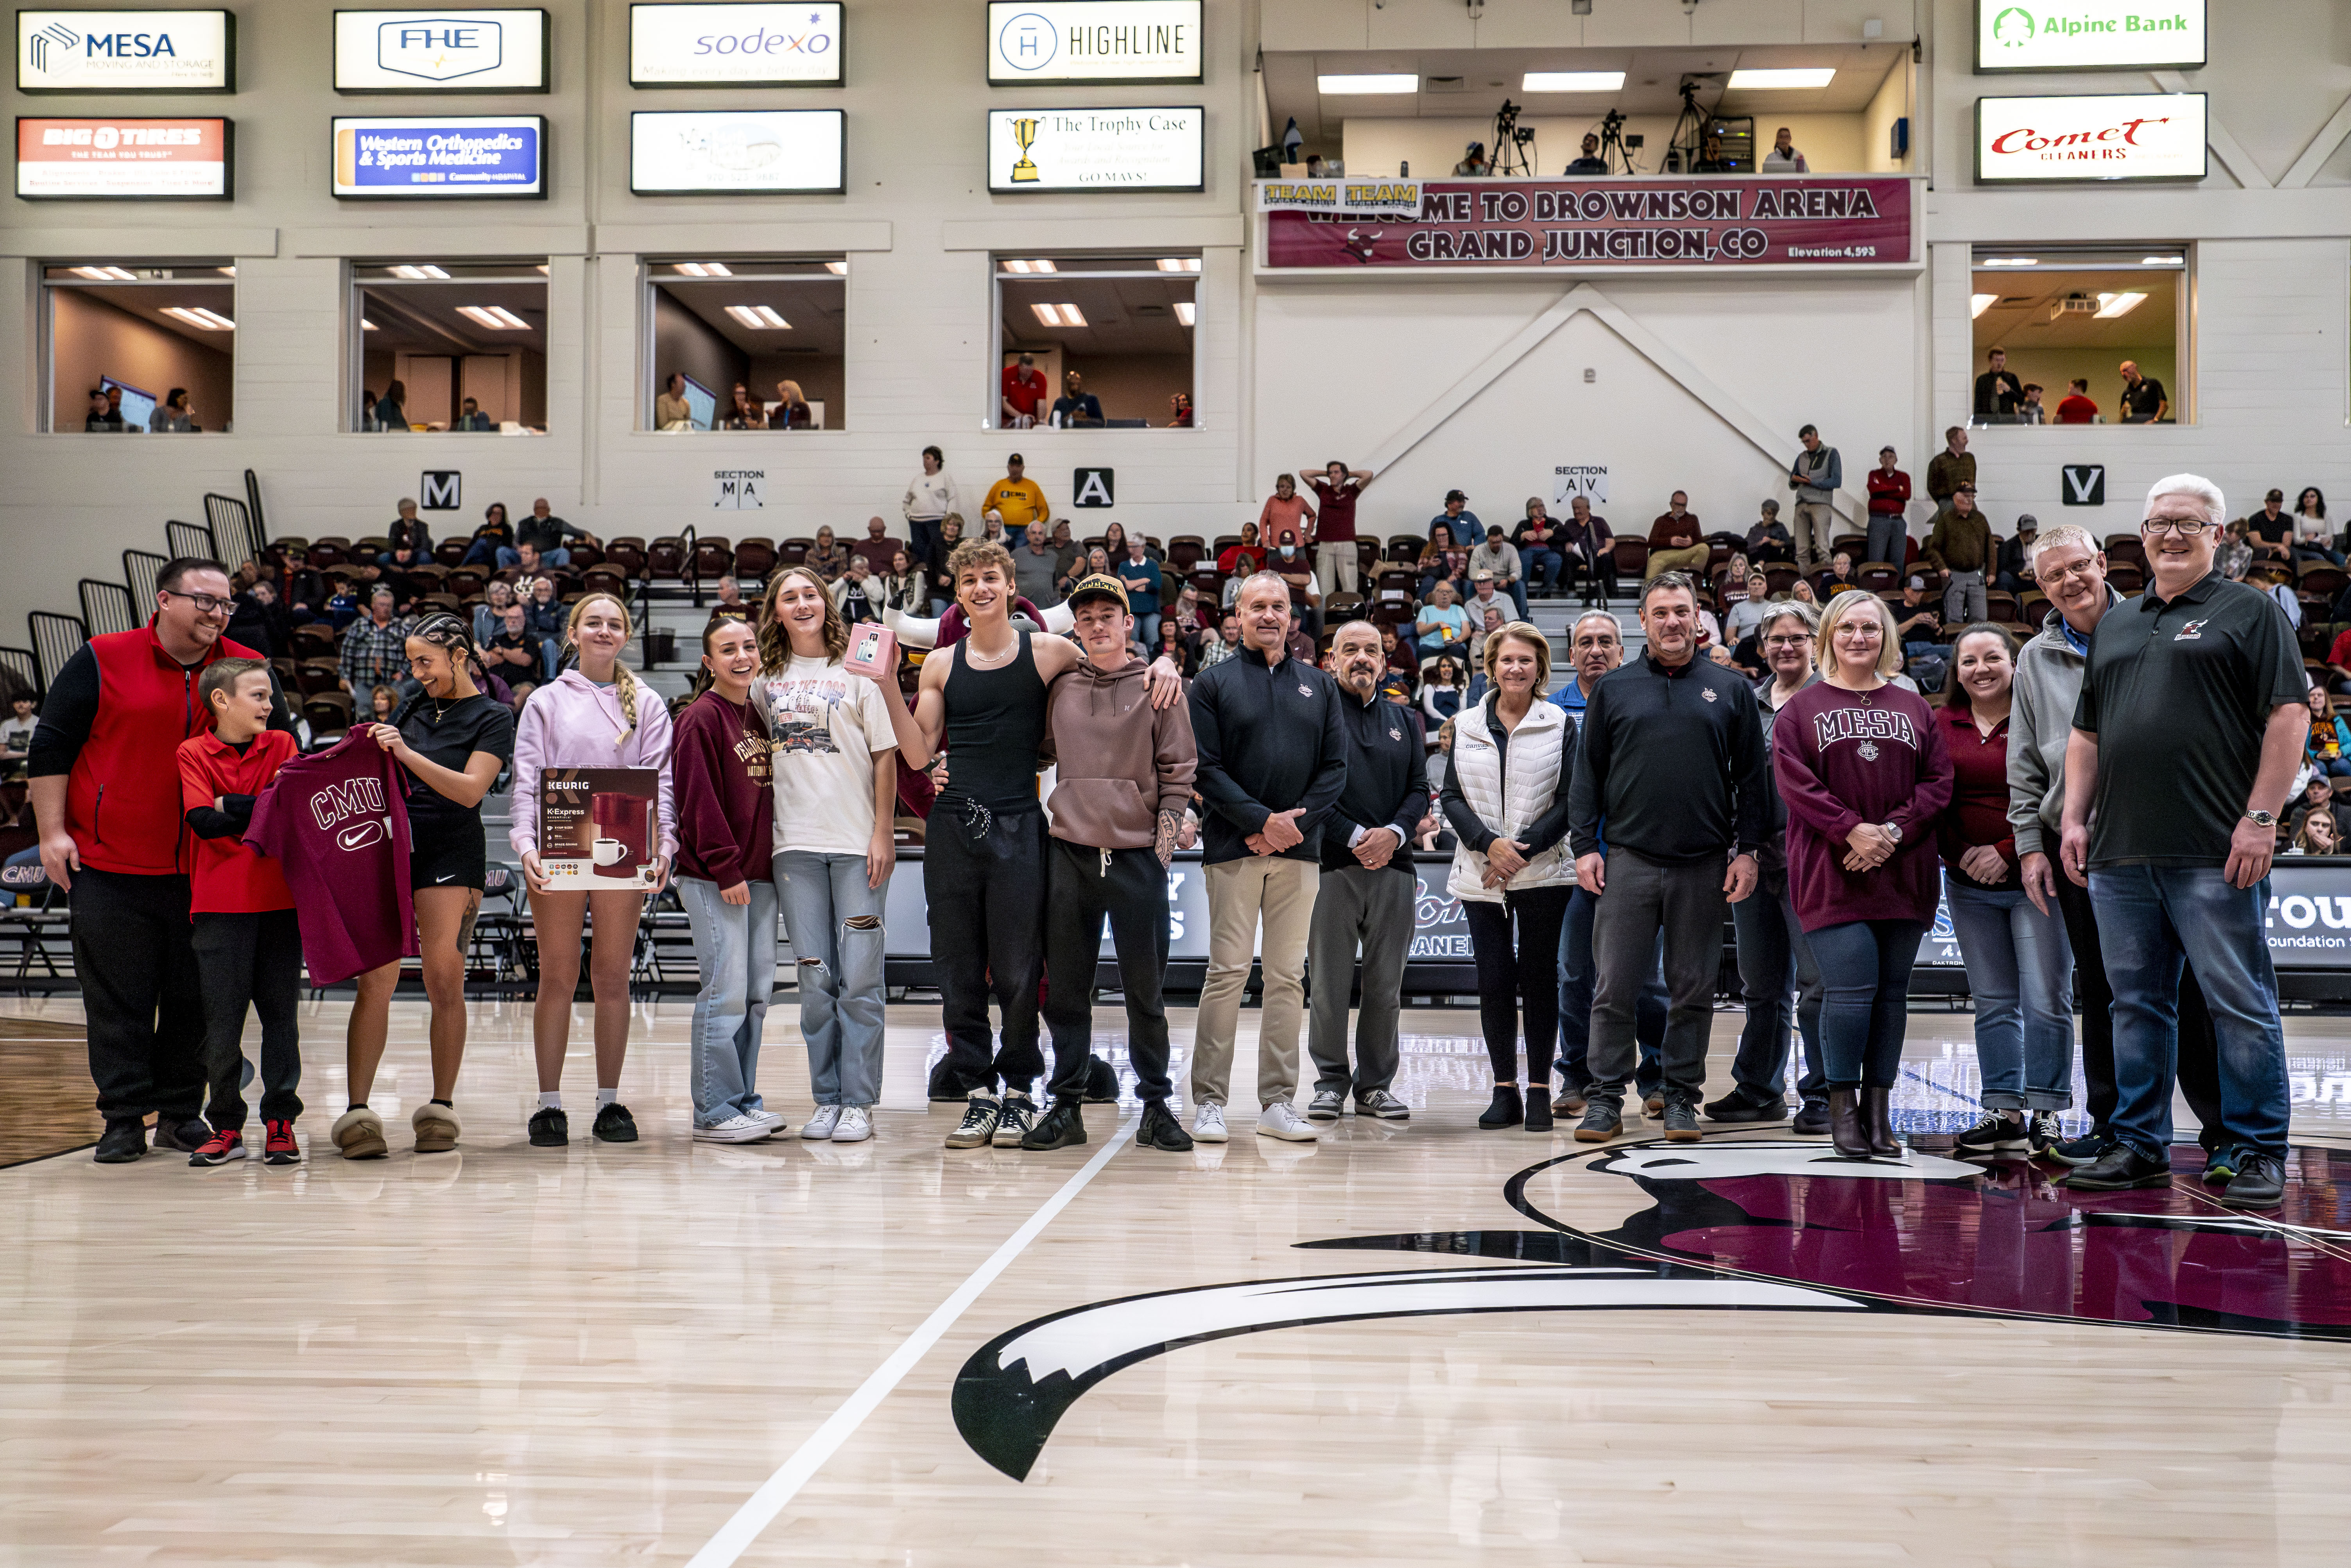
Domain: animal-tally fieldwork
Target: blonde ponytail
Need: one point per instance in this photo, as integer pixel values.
(626, 685)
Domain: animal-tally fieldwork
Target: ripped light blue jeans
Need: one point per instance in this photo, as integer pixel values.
(834, 923)
(735, 948)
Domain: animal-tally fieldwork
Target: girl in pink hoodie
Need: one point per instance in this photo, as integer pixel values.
(593, 715)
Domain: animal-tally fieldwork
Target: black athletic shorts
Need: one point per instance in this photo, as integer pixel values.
(446, 857)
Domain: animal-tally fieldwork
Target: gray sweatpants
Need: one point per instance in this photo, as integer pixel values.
(1641, 897)
(1374, 909)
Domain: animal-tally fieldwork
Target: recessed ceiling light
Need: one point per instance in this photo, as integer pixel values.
(1184, 311)
(197, 315)
(2113, 305)
(2010, 261)
(838, 268)
(1396, 82)
(423, 271)
(2158, 261)
(1787, 79)
(1979, 303)
(704, 270)
(1040, 265)
(1059, 315)
(1179, 264)
(761, 317)
(497, 318)
(1571, 82)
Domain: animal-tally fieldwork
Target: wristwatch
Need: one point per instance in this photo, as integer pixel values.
(1893, 832)
(2261, 819)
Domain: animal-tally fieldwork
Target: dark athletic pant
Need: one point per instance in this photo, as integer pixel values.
(1511, 975)
(1129, 887)
(140, 995)
(252, 960)
(984, 879)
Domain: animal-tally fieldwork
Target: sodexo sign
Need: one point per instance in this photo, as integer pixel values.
(441, 51)
(2088, 34)
(126, 51)
(2110, 137)
(1094, 41)
(735, 45)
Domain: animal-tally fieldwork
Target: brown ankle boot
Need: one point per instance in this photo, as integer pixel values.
(1846, 1133)
(1878, 1124)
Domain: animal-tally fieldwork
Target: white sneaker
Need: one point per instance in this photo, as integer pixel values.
(1209, 1125)
(856, 1125)
(733, 1130)
(1281, 1120)
(775, 1123)
(821, 1123)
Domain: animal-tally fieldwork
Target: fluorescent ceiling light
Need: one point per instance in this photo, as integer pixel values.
(542, 269)
(1396, 82)
(2158, 261)
(1040, 265)
(1184, 311)
(366, 325)
(2113, 305)
(1059, 315)
(210, 321)
(1979, 303)
(106, 274)
(227, 272)
(497, 318)
(425, 271)
(2010, 261)
(704, 270)
(761, 317)
(1571, 82)
(838, 268)
(1791, 78)
(1179, 264)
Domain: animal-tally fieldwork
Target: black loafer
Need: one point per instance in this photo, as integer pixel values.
(1812, 1119)
(2119, 1169)
(2259, 1181)
(123, 1142)
(549, 1128)
(615, 1125)
(1161, 1130)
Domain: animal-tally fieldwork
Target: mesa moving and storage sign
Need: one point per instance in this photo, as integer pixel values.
(1095, 149)
(1094, 41)
(126, 51)
(441, 51)
(2088, 34)
(1823, 221)
(700, 152)
(2111, 136)
(735, 45)
(441, 158)
(123, 160)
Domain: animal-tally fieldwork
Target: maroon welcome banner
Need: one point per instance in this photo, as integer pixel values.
(1817, 221)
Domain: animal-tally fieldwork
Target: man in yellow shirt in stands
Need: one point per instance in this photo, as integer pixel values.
(1018, 501)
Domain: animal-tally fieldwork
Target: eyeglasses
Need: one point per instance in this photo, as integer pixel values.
(2082, 568)
(2185, 527)
(205, 603)
(1797, 640)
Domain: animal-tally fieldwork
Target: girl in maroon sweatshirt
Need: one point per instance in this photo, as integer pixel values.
(1863, 769)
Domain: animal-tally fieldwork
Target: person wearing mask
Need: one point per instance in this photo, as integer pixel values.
(1999, 392)
(1783, 157)
(1862, 768)
(1586, 545)
(2187, 736)
(1272, 749)
(1024, 391)
(1672, 759)
(1498, 560)
(1537, 539)
(1889, 498)
(1286, 514)
(1017, 501)
(1953, 466)
(594, 714)
(1363, 901)
(1816, 475)
(1289, 562)
(931, 496)
(1506, 796)
(1961, 547)
(1768, 541)
(1336, 489)
(2014, 573)
(2144, 400)
(1676, 541)
(391, 410)
(1140, 577)
(1123, 773)
(174, 415)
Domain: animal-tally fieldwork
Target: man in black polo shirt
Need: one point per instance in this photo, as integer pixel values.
(1673, 757)
(2186, 739)
(1367, 888)
(2144, 398)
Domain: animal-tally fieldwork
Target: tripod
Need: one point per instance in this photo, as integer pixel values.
(1513, 144)
(1686, 146)
(1612, 144)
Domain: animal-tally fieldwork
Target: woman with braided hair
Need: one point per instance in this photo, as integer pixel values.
(594, 714)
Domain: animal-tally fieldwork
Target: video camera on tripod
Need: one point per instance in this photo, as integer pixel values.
(1513, 144)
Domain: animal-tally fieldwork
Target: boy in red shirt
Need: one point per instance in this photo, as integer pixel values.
(247, 942)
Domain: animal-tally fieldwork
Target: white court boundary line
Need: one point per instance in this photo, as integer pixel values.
(758, 1511)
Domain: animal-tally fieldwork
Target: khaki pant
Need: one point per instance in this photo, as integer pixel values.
(1334, 567)
(1691, 559)
(1813, 532)
(1239, 893)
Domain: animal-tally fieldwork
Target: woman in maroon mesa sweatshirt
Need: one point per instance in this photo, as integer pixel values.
(1863, 769)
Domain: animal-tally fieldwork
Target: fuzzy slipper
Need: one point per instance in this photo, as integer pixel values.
(436, 1128)
(359, 1134)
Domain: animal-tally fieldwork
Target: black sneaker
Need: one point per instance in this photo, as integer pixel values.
(1812, 1119)
(2087, 1149)
(1741, 1105)
(1101, 1082)
(1380, 1105)
(122, 1142)
(1680, 1118)
(2259, 1181)
(614, 1125)
(186, 1136)
(1013, 1120)
(2042, 1132)
(1161, 1130)
(1059, 1128)
(2119, 1169)
(549, 1128)
(1603, 1118)
(1994, 1131)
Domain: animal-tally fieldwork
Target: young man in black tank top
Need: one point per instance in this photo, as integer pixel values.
(984, 853)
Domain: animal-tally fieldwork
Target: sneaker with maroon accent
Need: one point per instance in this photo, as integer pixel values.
(220, 1148)
(279, 1149)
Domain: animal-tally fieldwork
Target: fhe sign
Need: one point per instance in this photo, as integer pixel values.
(440, 51)
(126, 51)
(735, 45)
(2109, 137)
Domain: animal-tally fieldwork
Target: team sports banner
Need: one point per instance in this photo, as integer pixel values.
(1529, 225)
(109, 159)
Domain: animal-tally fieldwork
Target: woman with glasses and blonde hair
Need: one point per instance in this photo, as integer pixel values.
(593, 714)
(1864, 772)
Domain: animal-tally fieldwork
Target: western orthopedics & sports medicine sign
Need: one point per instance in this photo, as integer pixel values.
(715, 152)
(123, 160)
(1091, 42)
(1494, 226)
(441, 158)
(2088, 36)
(1095, 149)
(126, 51)
(441, 51)
(2110, 136)
(735, 45)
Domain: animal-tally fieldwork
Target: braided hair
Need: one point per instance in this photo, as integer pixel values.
(454, 636)
(623, 683)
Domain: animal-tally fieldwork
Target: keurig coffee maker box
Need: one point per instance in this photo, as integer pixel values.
(597, 828)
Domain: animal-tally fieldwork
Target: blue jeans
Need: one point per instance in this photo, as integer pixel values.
(1864, 998)
(1544, 566)
(2151, 918)
(509, 556)
(2020, 973)
(1889, 538)
(2332, 767)
(834, 922)
(735, 948)
(1577, 981)
(1774, 960)
(481, 552)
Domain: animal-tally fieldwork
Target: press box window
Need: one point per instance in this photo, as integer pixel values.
(746, 343)
(2066, 315)
(1123, 326)
(139, 348)
(449, 346)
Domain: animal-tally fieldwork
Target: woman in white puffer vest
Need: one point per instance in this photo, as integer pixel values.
(1505, 796)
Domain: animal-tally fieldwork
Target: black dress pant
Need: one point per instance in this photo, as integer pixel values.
(251, 960)
(2199, 1045)
(140, 995)
(1515, 973)
(1128, 887)
(984, 879)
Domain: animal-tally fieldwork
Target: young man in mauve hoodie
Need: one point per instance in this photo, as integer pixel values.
(1124, 778)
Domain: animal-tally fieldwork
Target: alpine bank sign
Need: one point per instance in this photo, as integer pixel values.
(2088, 36)
(126, 51)
(736, 44)
(441, 51)
(2111, 137)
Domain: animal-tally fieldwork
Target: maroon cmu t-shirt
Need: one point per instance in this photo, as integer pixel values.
(337, 822)
(1334, 511)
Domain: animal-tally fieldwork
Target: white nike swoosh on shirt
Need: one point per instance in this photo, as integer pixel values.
(450, 877)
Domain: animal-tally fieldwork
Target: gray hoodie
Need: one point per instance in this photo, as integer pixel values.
(2040, 723)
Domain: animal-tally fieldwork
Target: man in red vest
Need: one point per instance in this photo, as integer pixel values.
(106, 791)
